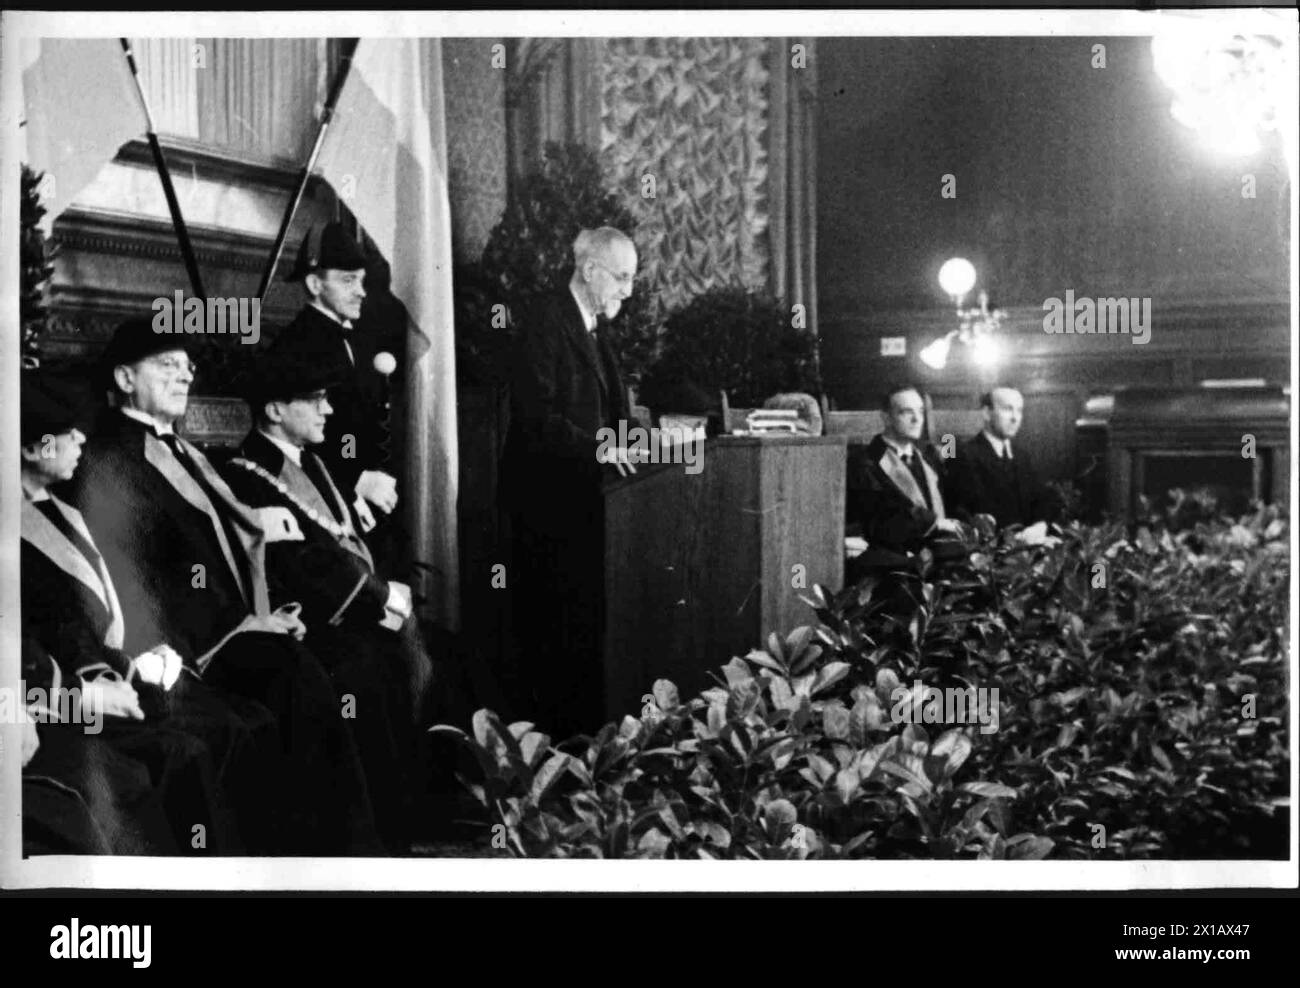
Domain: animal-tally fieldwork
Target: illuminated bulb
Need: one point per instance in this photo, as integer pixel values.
(985, 351)
(936, 354)
(957, 276)
(385, 362)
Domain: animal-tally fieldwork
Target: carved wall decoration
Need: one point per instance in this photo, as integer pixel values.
(476, 141)
(692, 113)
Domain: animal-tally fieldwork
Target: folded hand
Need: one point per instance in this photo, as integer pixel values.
(379, 488)
(112, 698)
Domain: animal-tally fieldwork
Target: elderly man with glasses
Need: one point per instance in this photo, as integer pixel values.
(188, 560)
(566, 388)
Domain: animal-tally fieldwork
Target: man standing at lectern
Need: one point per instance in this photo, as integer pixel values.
(566, 386)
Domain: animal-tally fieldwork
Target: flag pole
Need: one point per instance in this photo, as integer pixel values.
(327, 114)
(173, 205)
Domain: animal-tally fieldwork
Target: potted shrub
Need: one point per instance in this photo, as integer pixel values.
(734, 340)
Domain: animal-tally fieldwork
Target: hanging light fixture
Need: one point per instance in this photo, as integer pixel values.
(977, 325)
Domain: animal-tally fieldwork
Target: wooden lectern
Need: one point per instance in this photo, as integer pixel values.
(701, 567)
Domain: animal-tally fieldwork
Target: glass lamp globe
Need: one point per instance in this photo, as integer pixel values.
(957, 276)
(936, 354)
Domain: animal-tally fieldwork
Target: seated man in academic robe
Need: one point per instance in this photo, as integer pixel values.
(988, 477)
(188, 562)
(80, 794)
(895, 492)
(359, 624)
(73, 633)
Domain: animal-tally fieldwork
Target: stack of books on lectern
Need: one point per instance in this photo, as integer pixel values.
(770, 421)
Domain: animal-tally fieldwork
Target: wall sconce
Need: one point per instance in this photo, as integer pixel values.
(977, 325)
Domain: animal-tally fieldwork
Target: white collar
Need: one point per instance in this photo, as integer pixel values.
(289, 449)
(39, 496)
(997, 444)
(901, 450)
(345, 323)
(588, 317)
(149, 420)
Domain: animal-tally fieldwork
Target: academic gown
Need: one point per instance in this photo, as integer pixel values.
(187, 571)
(885, 503)
(80, 793)
(192, 743)
(332, 573)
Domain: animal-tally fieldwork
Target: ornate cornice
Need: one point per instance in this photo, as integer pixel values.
(130, 235)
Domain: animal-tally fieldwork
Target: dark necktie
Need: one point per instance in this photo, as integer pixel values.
(1005, 463)
(608, 367)
(913, 461)
(61, 522)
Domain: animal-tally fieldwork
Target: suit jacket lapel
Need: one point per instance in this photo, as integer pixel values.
(617, 396)
(932, 481)
(42, 534)
(580, 338)
(896, 471)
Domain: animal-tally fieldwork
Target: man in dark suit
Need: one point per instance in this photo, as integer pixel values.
(334, 275)
(988, 476)
(895, 490)
(359, 624)
(188, 561)
(565, 388)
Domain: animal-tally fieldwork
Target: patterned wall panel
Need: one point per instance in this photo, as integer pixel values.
(693, 113)
(476, 141)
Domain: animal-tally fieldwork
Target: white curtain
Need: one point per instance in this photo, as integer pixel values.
(255, 96)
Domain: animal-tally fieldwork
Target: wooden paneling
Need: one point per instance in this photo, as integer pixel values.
(1159, 439)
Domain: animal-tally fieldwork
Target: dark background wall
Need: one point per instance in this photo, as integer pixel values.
(1067, 177)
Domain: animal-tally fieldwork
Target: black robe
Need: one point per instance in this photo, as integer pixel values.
(885, 502)
(195, 745)
(187, 571)
(81, 794)
(386, 673)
